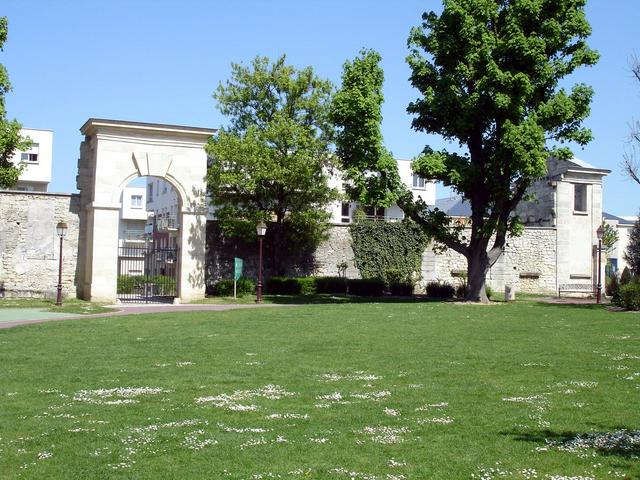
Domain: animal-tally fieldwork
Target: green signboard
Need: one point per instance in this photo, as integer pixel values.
(237, 268)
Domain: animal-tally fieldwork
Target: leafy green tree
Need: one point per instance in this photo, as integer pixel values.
(273, 161)
(609, 238)
(489, 81)
(632, 253)
(10, 138)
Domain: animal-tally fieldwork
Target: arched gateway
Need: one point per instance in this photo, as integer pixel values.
(112, 154)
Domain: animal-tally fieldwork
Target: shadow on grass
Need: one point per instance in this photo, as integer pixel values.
(620, 442)
(337, 299)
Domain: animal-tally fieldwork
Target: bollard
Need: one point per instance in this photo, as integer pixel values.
(509, 293)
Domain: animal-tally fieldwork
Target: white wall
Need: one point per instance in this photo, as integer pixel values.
(427, 193)
(37, 176)
(128, 211)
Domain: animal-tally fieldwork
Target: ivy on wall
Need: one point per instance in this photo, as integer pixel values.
(382, 247)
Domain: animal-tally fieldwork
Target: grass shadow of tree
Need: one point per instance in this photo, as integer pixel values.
(620, 442)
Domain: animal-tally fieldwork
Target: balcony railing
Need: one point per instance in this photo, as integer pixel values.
(134, 235)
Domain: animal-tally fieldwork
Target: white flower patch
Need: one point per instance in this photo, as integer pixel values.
(375, 396)
(100, 451)
(162, 365)
(535, 364)
(563, 477)
(333, 397)
(231, 402)
(582, 444)
(184, 364)
(319, 440)
(352, 474)
(116, 396)
(622, 356)
(253, 442)
(254, 364)
(415, 385)
(385, 434)
(430, 406)
(529, 399)
(288, 416)
(192, 440)
(529, 473)
(393, 463)
(489, 473)
(243, 430)
(49, 390)
(391, 412)
(435, 420)
(633, 376)
(44, 455)
(355, 376)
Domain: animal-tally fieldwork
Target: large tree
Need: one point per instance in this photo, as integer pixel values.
(632, 252)
(631, 163)
(274, 159)
(10, 138)
(489, 81)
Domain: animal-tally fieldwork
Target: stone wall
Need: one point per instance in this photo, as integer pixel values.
(29, 245)
(528, 263)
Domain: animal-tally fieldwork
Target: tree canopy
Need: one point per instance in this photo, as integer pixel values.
(488, 73)
(10, 138)
(274, 159)
(632, 253)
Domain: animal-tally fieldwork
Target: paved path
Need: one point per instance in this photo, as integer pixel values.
(11, 317)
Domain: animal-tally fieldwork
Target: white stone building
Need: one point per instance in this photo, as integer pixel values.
(616, 254)
(37, 159)
(559, 242)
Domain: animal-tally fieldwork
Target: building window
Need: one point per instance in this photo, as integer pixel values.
(579, 197)
(31, 155)
(419, 183)
(345, 217)
(150, 192)
(136, 201)
(374, 212)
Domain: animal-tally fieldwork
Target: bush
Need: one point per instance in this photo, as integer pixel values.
(626, 277)
(224, 287)
(442, 290)
(612, 288)
(489, 291)
(331, 285)
(461, 290)
(291, 286)
(630, 296)
(164, 285)
(404, 289)
(366, 287)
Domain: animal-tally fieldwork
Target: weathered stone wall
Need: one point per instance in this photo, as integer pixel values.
(323, 262)
(29, 245)
(528, 263)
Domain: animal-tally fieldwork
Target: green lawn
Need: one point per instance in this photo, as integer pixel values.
(70, 305)
(345, 391)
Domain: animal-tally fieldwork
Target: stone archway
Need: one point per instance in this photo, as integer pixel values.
(115, 152)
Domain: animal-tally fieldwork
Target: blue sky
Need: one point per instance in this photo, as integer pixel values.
(160, 61)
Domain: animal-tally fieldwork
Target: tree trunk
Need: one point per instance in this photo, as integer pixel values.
(477, 268)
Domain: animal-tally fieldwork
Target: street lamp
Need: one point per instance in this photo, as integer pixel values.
(600, 234)
(61, 230)
(261, 230)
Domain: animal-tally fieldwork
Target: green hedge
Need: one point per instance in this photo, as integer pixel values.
(442, 290)
(335, 285)
(629, 296)
(290, 286)
(404, 289)
(366, 287)
(224, 287)
(164, 285)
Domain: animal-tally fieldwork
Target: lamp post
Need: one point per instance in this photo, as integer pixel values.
(600, 234)
(61, 230)
(261, 230)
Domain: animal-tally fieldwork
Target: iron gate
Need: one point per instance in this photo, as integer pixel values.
(147, 274)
